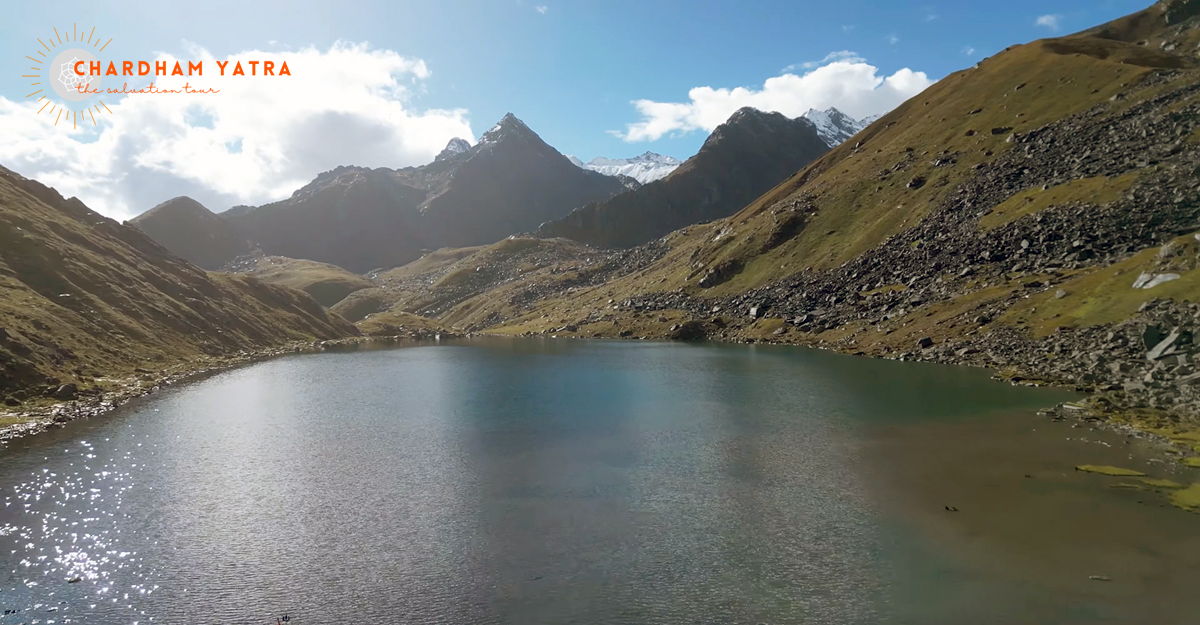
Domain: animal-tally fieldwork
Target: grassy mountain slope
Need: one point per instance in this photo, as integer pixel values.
(971, 130)
(499, 280)
(328, 284)
(85, 300)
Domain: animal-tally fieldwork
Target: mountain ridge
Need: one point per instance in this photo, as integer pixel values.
(645, 168)
(364, 218)
(743, 157)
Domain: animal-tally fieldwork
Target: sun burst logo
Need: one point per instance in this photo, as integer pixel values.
(62, 89)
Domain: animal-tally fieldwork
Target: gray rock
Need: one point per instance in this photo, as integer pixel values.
(66, 391)
(1151, 336)
(1131, 386)
(925, 343)
(1160, 349)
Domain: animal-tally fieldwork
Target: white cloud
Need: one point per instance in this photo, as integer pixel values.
(847, 82)
(969, 51)
(840, 55)
(848, 27)
(892, 39)
(542, 9)
(932, 16)
(1053, 22)
(256, 141)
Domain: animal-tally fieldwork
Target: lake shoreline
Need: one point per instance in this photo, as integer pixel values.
(117, 392)
(672, 477)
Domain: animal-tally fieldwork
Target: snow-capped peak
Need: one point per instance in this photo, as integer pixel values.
(834, 126)
(509, 125)
(644, 168)
(456, 147)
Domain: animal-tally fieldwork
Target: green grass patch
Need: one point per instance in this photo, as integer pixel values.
(1157, 483)
(1099, 190)
(1187, 498)
(433, 261)
(1193, 461)
(328, 284)
(394, 322)
(9, 421)
(1105, 295)
(1104, 469)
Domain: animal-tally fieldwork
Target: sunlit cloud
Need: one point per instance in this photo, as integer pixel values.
(843, 80)
(256, 141)
(1053, 22)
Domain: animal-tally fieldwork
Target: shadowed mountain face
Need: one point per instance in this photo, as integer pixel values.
(743, 158)
(362, 219)
(86, 297)
(193, 232)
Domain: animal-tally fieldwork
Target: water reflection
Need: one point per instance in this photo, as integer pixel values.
(530, 481)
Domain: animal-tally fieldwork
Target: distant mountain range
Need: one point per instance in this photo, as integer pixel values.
(645, 168)
(361, 218)
(509, 182)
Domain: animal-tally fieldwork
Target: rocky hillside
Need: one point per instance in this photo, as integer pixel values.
(191, 231)
(87, 301)
(499, 281)
(1038, 214)
(744, 157)
(361, 219)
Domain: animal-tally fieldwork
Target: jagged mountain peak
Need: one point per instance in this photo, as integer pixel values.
(455, 148)
(508, 126)
(750, 121)
(744, 157)
(748, 114)
(834, 126)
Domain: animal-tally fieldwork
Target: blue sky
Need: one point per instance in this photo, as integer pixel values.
(570, 70)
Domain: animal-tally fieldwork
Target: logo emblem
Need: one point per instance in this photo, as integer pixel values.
(59, 86)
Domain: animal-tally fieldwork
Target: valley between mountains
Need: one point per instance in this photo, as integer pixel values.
(1037, 214)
